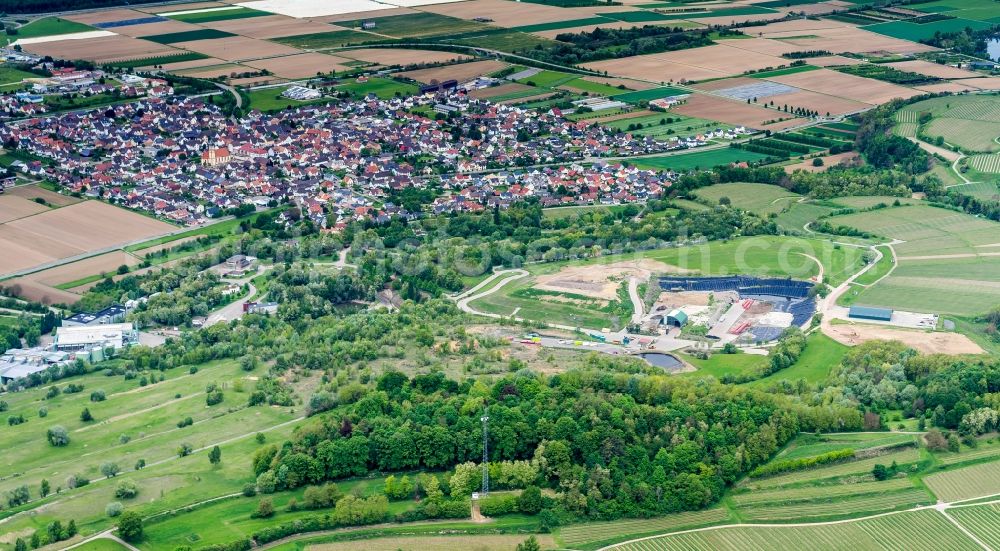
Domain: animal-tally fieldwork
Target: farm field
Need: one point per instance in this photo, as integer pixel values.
(592, 535)
(759, 198)
(209, 16)
(49, 26)
(917, 531)
(72, 230)
(982, 520)
(698, 159)
(665, 127)
(821, 356)
(798, 215)
(435, 543)
(926, 230)
(971, 122)
(978, 480)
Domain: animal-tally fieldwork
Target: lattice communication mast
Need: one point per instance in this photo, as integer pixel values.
(486, 453)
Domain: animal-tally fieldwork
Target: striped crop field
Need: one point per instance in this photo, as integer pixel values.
(820, 492)
(981, 520)
(906, 129)
(905, 115)
(978, 480)
(969, 455)
(985, 163)
(925, 530)
(577, 535)
(870, 504)
(910, 455)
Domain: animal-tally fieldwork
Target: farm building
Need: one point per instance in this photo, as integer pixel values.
(112, 314)
(870, 313)
(114, 335)
(676, 318)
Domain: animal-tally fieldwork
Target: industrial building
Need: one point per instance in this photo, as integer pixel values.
(870, 313)
(17, 363)
(112, 314)
(676, 318)
(112, 335)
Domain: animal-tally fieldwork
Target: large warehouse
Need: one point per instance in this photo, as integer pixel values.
(113, 335)
(870, 313)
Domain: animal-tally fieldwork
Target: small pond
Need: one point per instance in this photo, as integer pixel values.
(668, 362)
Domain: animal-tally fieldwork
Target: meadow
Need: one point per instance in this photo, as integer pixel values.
(757, 198)
(48, 26)
(926, 230)
(698, 159)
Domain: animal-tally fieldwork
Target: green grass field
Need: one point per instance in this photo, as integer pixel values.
(982, 520)
(548, 79)
(219, 15)
(835, 471)
(664, 126)
(10, 75)
(757, 198)
(981, 10)
(698, 159)
(914, 531)
(332, 39)
(651, 94)
(915, 32)
(821, 356)
(270, 99)
(381, 87)
(48, 26)
(566, 24)
(926, 230)
(882, 267)
(785, 71)
(592, 88)
(418, 25)
(187, 36)
(720, 365)
(798, 215)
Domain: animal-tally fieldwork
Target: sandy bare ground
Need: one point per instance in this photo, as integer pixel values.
(501, 90)
(268, 26)
(682, 298)
(795, 26)
(505, 14)
(764, 46)
(13, 207)
(32, 192)
(932, 69)
(460, 72)
(106, 48)
(601, 281)
(736, 113)
(398, 56)
(256, 81)
(152, 29)
(724, 59)
(848, 157)
(72, 230)
(301, 65)
(821, 103)
(233, 48)
(926, 342)
(842, 85)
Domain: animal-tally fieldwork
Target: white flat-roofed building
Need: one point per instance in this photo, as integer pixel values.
(114, 335)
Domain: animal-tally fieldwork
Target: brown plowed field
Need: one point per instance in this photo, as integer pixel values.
(13, 207)
(301, 65)
(105, 48)
(234, 48)
(69, 231)
(460, 72)
(735, 113)
(268, 26)
(842, 85)
(505, 14)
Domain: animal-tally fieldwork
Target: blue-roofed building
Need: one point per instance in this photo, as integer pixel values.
(870, 313)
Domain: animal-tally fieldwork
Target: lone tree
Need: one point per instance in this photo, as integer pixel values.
(215, 455)
(85, 415)
(130, 526)
(57, 436)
